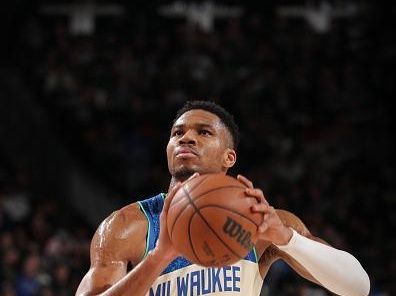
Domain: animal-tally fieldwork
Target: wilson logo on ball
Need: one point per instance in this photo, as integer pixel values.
(236, 231)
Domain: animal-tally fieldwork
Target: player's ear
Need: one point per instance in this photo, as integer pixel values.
(229, 158)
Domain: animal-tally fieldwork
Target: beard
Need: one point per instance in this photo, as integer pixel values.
(183, 174)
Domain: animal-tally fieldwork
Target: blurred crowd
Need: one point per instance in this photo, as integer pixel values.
(43, 247)
(314, 112)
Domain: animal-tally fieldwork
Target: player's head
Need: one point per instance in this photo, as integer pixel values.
(204, 138)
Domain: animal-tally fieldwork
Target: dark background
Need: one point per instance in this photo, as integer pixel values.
(85, 118)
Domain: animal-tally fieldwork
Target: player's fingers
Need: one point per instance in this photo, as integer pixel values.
(261, 208)
(257, 193)
(196, 174)
(264, 200)
(245, 181)
(263, 227)
(174, 189)
(266, 218)
(170, 195)
(272, 210)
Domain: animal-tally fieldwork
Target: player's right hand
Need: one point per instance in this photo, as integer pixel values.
(164, 245)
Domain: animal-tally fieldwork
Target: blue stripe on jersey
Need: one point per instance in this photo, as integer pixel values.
(148, 230)
(152, 208)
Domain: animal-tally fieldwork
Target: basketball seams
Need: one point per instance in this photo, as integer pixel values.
(192, 188)
(218, 188)
(196, 185)
(189, 237)
(230, 210)
(182, 210)
(199, 197)
(197, 211)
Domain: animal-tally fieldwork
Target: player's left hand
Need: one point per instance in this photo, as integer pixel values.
(271, 229)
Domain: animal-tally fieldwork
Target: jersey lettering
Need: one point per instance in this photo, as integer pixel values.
(202, 282)
(162, 289)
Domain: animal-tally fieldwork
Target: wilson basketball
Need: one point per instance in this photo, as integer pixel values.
(210, 220)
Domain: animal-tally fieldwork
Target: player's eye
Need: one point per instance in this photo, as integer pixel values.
(204, 132)
(177, 133)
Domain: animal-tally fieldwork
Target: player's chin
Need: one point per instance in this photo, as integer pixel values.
(185, 170)
(184, 173)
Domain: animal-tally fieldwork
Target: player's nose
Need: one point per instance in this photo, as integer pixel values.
(188, 137)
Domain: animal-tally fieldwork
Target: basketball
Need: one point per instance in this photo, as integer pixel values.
(210, 220)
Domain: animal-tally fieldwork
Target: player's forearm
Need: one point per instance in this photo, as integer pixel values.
(139, 280)
(336, 270)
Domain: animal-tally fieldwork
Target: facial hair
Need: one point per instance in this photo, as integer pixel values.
(183, 174)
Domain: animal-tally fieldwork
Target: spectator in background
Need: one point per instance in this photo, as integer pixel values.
(28, 282)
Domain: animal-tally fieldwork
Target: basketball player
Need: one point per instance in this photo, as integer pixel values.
(203, 139)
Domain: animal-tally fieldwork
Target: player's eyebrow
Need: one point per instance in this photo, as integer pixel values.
(198, 125)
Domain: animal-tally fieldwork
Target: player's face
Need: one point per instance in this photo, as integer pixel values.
(199, 142)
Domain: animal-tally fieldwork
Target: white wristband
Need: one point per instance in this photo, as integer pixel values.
(336, 270)
(291, 242)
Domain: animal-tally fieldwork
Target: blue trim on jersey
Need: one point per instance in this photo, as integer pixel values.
(176, 264)
(152, 208)
(252, 256)
(148, 229)
(255, 255)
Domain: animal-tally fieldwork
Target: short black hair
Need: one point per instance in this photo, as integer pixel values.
(226, 118)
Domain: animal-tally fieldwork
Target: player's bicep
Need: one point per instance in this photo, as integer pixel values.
(107, 267)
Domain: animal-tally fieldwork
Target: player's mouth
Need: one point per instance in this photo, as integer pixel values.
(185, 152)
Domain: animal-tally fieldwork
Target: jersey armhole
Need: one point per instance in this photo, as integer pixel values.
(148, 230)
(255, 254)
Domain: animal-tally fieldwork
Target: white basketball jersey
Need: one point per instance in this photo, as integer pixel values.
(183, 278)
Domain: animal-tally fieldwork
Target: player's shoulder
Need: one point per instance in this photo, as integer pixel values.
(132, 215)
(129, 217)
(289, 219)
(121, 225)
(122, 234)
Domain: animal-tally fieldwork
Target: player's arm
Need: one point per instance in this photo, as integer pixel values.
(111, 248)
(314, 259)
(106, 267)
(110, 277)
(336, 270)
(271, 253)
(290, 220)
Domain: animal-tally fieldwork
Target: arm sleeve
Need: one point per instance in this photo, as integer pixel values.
(337, 270)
